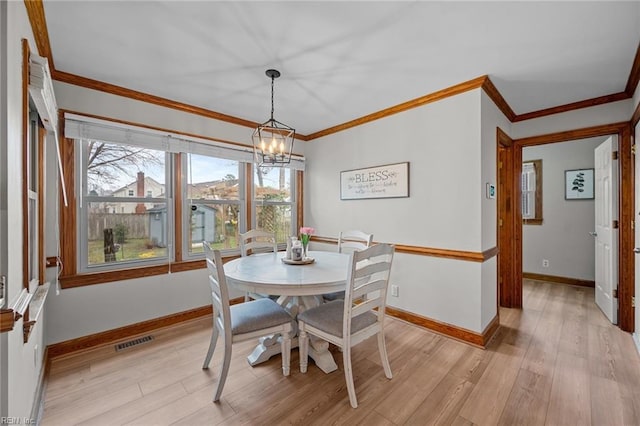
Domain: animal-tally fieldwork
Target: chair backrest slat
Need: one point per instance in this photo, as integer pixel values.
(365, 306)
(349, 241)
(257, 241)
(372, 268)
(369, 287)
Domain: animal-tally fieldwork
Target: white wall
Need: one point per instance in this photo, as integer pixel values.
(23, 361)
(449, 164)
(491, 119)
(91, 309)
(442, 143)
(563, 238)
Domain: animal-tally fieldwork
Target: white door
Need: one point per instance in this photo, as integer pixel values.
(606, 235)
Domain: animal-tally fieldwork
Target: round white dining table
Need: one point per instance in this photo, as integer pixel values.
(299, 287)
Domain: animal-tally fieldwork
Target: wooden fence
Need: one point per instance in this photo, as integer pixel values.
(136, 225)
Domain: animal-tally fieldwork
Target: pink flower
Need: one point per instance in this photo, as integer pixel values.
(306, 230)
(305, 234)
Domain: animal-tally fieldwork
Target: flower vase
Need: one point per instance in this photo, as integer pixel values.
(304, 250)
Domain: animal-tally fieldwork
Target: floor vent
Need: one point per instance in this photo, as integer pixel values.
(134, 342)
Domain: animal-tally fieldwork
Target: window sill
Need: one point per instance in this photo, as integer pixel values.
(35, 309)
(532, 221)
(81, 280)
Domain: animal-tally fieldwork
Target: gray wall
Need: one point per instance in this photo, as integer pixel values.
(563, 238)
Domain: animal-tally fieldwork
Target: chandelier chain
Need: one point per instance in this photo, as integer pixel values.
(272, 80)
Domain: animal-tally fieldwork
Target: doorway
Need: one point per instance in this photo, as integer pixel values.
(510, 279)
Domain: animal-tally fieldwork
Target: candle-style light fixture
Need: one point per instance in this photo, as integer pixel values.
(273, 140)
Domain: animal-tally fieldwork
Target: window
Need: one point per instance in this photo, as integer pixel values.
(139, 232)
(35, 137)
(214, 211)
(274, 201)
(532, 192)
(146, 199)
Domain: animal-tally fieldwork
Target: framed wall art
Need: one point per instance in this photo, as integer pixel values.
(388, 181)
(578, 184)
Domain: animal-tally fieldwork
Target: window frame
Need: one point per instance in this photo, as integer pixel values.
(82, 260)
(537, 217)
(34, 136)
(186, 216)
(293, 192)
(70, 277)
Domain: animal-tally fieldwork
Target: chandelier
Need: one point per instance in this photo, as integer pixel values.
(273, 140)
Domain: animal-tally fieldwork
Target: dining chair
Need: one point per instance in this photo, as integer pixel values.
(348, 242)
(257, 241)
(345, 323)
(243, 321)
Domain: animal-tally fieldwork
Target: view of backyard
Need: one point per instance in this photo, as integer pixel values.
(129, 214)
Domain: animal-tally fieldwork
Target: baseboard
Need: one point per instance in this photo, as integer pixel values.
(111, 336)
(557, 279)
(467, 336)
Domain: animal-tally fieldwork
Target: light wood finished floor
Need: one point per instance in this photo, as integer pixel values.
(556, 362)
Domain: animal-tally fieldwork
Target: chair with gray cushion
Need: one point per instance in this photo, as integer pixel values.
(249, 320)
(348, 242)
(345, 323)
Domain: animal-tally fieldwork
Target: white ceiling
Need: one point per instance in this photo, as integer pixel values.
(343, 60)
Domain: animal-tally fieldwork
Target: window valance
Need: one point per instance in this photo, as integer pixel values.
(83, 127)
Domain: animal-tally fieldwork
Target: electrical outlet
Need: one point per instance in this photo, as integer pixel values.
(545, 263)
(394, 290)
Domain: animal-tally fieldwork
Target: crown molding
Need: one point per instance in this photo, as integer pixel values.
(601, 100)
(35, 12)
(634, 75)
(113, 89)
(497, 99)
(423, 100)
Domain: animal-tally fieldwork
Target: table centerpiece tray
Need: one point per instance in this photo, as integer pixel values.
(305, 261)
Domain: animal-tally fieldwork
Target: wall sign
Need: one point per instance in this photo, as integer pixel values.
(388, 181)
